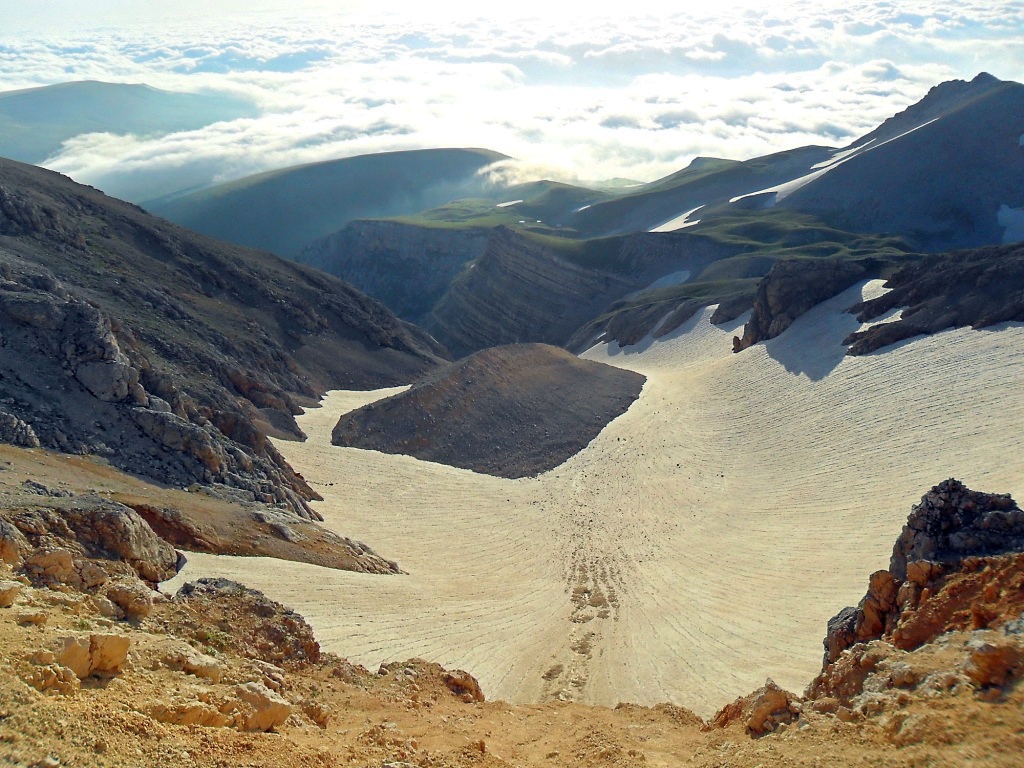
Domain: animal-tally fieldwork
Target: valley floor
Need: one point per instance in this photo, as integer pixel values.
(697, 546)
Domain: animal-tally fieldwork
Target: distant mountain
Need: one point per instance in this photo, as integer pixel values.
(947, 172)
(34, 122)
(704, 183)
(282, 211)
(171, 354)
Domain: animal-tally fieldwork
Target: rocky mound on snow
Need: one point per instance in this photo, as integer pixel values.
(952, 533)
(977, 288)
(946, 619)
(169, 354)
(509, 411)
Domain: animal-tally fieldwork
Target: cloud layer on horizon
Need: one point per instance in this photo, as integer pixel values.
(599, 98)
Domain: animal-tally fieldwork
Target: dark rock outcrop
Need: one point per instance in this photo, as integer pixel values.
(171, 355)
(952, 529)
(977, 288)
(792, 288)
(953, 522)
(509, 411)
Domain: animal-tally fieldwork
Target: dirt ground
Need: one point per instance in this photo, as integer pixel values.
(413, 714)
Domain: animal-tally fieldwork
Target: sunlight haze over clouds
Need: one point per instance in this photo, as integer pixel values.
(571, 92)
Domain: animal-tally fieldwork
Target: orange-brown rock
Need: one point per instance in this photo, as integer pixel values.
(465, 685)
(761, 711)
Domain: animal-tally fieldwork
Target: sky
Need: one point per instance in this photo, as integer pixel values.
(571, 91)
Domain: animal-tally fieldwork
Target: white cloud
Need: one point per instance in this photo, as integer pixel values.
(592, 96)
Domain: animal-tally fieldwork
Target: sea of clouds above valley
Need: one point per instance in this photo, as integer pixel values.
(574, 98)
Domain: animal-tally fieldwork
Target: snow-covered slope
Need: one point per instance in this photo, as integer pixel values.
(696, 546)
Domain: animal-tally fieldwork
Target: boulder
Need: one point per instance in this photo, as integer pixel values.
(118, 530)
(188, 713)
(760, 712)
(199, 664)
(12, 543)
(262, 709)
(74, 653)
(103, 654)
(16, 432)
(51, 565)
(108, 653)
(465, 685)
(134, 598)
(9, 591)
(993, 665)
(111, 381)
(770, 707)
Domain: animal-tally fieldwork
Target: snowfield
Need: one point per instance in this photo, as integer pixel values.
(697, 546)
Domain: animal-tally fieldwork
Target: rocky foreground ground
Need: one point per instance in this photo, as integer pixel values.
(97, 669)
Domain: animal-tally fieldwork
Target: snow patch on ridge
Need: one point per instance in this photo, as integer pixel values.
(679, 222)
(1012, 219)
(675, 278)
(785, 189)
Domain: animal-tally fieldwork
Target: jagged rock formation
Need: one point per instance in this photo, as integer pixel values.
(509, 411)
(953, 531)
(169, 354)
(408, 268)
(977, 288)
(792, 288)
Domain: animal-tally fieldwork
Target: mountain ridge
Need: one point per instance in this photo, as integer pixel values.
(169, 353)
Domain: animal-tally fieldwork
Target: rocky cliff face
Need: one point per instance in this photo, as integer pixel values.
(168, 353)
(792, 288)
(407, 267)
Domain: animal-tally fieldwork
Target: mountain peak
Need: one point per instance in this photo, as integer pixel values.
(941, 100)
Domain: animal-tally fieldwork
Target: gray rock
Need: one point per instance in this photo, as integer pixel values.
(16, 432)
(111, 381)
(953, 522)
